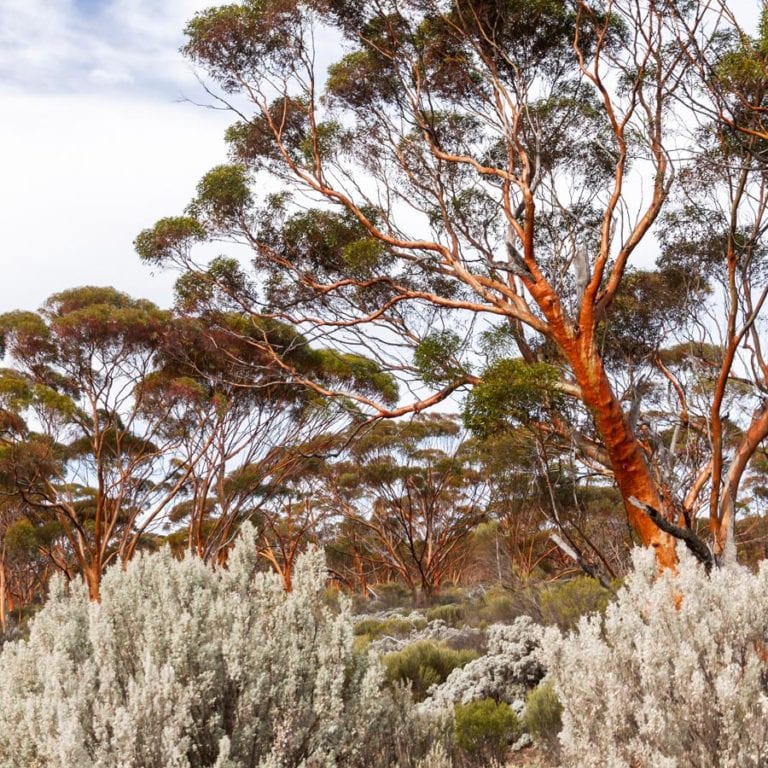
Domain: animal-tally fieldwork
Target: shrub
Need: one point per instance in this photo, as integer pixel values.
(438, 631)
(181, 666)
(451, 614)
(391, 595)
(397, 627)
(674, 675)
(485, 728)
(423, 664)
(505, 673)
(565, 603)
(499, 607)
(543, 714)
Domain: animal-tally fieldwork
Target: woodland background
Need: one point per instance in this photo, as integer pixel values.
(490, 314)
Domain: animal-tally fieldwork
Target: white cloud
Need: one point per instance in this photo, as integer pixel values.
(81, 177)
(94, 145)
(53, 45)
(114, 76)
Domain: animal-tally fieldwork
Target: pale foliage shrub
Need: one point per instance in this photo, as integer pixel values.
(674, 676)
(505, 673)
(181, 666)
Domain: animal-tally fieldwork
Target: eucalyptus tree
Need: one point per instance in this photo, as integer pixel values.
(127, 417)
(91, 457)
(243, 431)
(415, 495)
(469, 194)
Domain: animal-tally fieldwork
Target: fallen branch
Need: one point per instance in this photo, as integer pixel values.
(695, 545)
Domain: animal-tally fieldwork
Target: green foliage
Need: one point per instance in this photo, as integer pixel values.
(393, 627)
(510, 391)
(423, 664)
(323, 143)
(255, 144)
(362, 78)
(485, 728)
(543, 714)
(170, 237)
(566, 602)
(436, 358)
(20, 538)
(363, 256)
(498, 606)
(692, 353)
(331, 244)
(358, 372)
(647, 307)
(218, 285)
(451, 614)
(232, 39)
(223, 197)
(744, 68)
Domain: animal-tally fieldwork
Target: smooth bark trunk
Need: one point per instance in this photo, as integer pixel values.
(722, 525)
(631, 471)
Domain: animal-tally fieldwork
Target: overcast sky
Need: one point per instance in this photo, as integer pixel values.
(97, 142)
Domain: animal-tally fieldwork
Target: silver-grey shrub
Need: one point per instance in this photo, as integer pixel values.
(674, 676)
(510, 668)
(181, 666)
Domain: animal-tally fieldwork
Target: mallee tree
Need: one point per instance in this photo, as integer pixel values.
(469, 195)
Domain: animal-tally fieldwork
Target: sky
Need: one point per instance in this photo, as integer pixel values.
(99, 138)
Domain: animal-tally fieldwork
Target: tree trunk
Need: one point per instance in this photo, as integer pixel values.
(630, 468)
(722, 525)
(92, 575)
(3, 590)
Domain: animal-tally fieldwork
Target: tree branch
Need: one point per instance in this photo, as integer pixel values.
(696, 546)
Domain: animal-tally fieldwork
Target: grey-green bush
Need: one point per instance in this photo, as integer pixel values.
(566, 602)
(423, 664)
(674, 674)
(485, 729)
(450, 613)
(181, 666)
(543, 714)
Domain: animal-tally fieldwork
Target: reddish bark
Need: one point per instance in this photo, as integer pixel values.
(631, 471)
(721, 524)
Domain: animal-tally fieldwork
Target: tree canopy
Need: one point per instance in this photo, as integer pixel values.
(473, 194)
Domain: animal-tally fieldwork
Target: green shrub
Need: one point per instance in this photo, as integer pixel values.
(451, 614)
(485, 728)
(375, 628)
(543, 714)
(451, 594)
(498, 607)
(565, 603)
(423, 664)
(392, 595)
